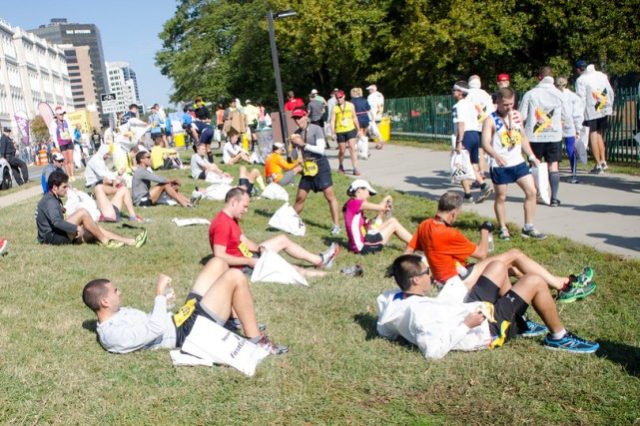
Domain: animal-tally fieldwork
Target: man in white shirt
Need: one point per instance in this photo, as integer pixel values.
(217, 293)
(483, 104)
(376, 101)
(484, 320)
(596, 92)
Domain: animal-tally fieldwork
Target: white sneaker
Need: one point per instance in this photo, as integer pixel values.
(335, 230)
(329, 255)
(196, 196)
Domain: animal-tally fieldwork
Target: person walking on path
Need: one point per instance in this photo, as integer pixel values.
(344, 124)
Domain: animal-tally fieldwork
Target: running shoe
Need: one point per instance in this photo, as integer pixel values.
(234, 324)
(504, 234)
(571, 343)
(576, 292)
(597, 170)
(196, 196)
(586, 276)
(574, 180)
(352, 271)
(356, 172)
(335, 230)
(141, 239)
(532, 233)
(534, 329)
(555, 202)
(113, 244)
(340, 169)
(329, 255)
(273, 349)
(4, 244)
(604, 166)
(484, 195)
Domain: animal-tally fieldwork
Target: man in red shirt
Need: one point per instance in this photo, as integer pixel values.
(447, 250)
(229, 243)
(293, 102)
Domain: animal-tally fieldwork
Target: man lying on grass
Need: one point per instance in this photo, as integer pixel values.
(484, 320)
(444, 247)
(230, 244)
(217, 292)
(54, 228)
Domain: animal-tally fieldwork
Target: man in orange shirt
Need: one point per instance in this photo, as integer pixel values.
(277, 169)
(447, 250)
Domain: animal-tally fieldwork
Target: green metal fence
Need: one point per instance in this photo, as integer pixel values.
(429, 117)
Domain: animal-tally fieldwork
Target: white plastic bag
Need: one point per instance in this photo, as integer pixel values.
(190, 221)
(216, 178)
(210, 341)
(216, 192)
(460, 166)
(286, 219)
(272, 268)
(77, 199)
(541, 178)
(273, 191)
(363, 148)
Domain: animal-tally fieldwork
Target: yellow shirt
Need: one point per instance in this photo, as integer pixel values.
(344, 115)
(274, 166)
(158, 154)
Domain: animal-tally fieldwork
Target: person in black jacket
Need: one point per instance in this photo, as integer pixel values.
(8, 152)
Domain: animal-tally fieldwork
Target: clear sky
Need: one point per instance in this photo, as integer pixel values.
(129, 31)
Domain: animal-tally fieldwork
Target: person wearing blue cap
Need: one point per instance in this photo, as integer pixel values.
(594, 89)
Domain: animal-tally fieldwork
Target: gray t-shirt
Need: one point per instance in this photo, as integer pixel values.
(198, 165)
(142, 179)
(316, 108)
(313, 136)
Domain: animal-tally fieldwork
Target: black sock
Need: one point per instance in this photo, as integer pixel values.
(210, 157)
(554, 182)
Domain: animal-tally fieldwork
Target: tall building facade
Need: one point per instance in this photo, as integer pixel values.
(32, 70)
(83, 87)
(123, 84)
(59, 31)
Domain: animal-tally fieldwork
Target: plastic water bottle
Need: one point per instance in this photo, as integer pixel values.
(461, 270)
(491, 245)
(170, 294)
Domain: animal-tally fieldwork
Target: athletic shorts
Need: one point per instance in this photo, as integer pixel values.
(507, 175)
(507, 309)
(246, 184)
(550, 151)
(471, 142)
(597, 124)
(202, 175)
(320, 181)
(67, 147)
(206, 136)
(145, 202)
(372, 243)
(346, 136)
(57, 238)
(193, 308)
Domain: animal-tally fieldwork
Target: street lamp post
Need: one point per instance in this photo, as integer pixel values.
(271, 16)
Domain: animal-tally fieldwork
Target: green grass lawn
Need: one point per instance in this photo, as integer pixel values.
(52, 370)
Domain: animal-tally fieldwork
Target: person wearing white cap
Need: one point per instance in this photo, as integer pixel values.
(483, 103)
(370, 236)
(61, 133)
(376, 101)
(56, 164)
(277, 169)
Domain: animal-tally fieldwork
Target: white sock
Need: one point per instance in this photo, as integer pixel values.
(559, 335)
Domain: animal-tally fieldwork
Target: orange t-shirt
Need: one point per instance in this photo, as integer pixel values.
(274, 166)
(443, 246)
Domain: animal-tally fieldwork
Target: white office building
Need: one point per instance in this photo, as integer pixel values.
(123, 84)
(31, 71)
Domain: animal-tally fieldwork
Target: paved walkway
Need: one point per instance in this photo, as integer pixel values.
(601, 211)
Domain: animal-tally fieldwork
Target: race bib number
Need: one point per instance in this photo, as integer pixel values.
(345, 122)
(65, 135)
(309, 168)
(245, 250)
(184, 312)
(511, 138)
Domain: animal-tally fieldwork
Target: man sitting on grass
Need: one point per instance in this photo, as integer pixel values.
(369, 236)
(202, 168)
(230, 244)
(79, 227)
(486, 318)
(217, 292)
(277, 169)
(448, 250)
(144, 194)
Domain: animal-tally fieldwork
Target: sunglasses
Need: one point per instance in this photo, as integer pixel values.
(419, 274)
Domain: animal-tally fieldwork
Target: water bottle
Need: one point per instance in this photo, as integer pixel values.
(491, 245)
(461, 270)
(170, 294)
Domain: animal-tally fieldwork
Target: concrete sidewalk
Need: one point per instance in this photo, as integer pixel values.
(601, 211)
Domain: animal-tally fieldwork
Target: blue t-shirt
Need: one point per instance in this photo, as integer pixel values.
(362, 110)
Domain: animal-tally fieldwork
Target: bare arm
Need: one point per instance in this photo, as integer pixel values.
(220, 252)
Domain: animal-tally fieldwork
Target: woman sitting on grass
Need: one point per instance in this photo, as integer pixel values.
(369, 236)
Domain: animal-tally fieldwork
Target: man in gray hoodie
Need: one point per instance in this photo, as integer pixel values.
(544, 109)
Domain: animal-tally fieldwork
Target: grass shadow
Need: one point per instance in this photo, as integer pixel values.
(622, 354)
(368, 324)
(263, 212)
(90, 325)
(205, 259)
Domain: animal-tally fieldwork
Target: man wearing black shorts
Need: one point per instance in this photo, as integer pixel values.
(544, 110)
(316, 172)
(217, 292)
(486, 319)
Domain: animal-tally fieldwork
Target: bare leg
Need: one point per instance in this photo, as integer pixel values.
(231, 292)
(482, 166)
(300, 198)
(498, 205)
(330, 196)
(104, 205)
(341, 148)
(281, 242)
(354, 154)
(529, 188)
(208, 275)
(466, 186)
(603, 152)
(595, 147)
(392, 227)
(83, 218)
(533, 290)
(157, 191)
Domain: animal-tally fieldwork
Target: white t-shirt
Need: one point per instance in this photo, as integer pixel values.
(229, 151)
(464, 111)
(507, 139)
(482, 102)
(198, 165)
(376, 101)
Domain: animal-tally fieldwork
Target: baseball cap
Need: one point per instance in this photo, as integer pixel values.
(372, 87)
(298, 112)
(503, 77)
(314, 92)
(581, 63)
(57, 156)
(335, 90)
(60, 110)
(6, 129)
(340, 93)
(248, 101)
(278, 145)
(361, 183)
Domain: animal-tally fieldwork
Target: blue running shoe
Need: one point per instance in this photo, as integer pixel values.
(534, 329)
(571, 343)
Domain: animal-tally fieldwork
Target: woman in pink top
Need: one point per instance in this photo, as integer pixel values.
(369, 236)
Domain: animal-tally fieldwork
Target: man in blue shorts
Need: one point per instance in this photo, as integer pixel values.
(504, 140)
(316, 172)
